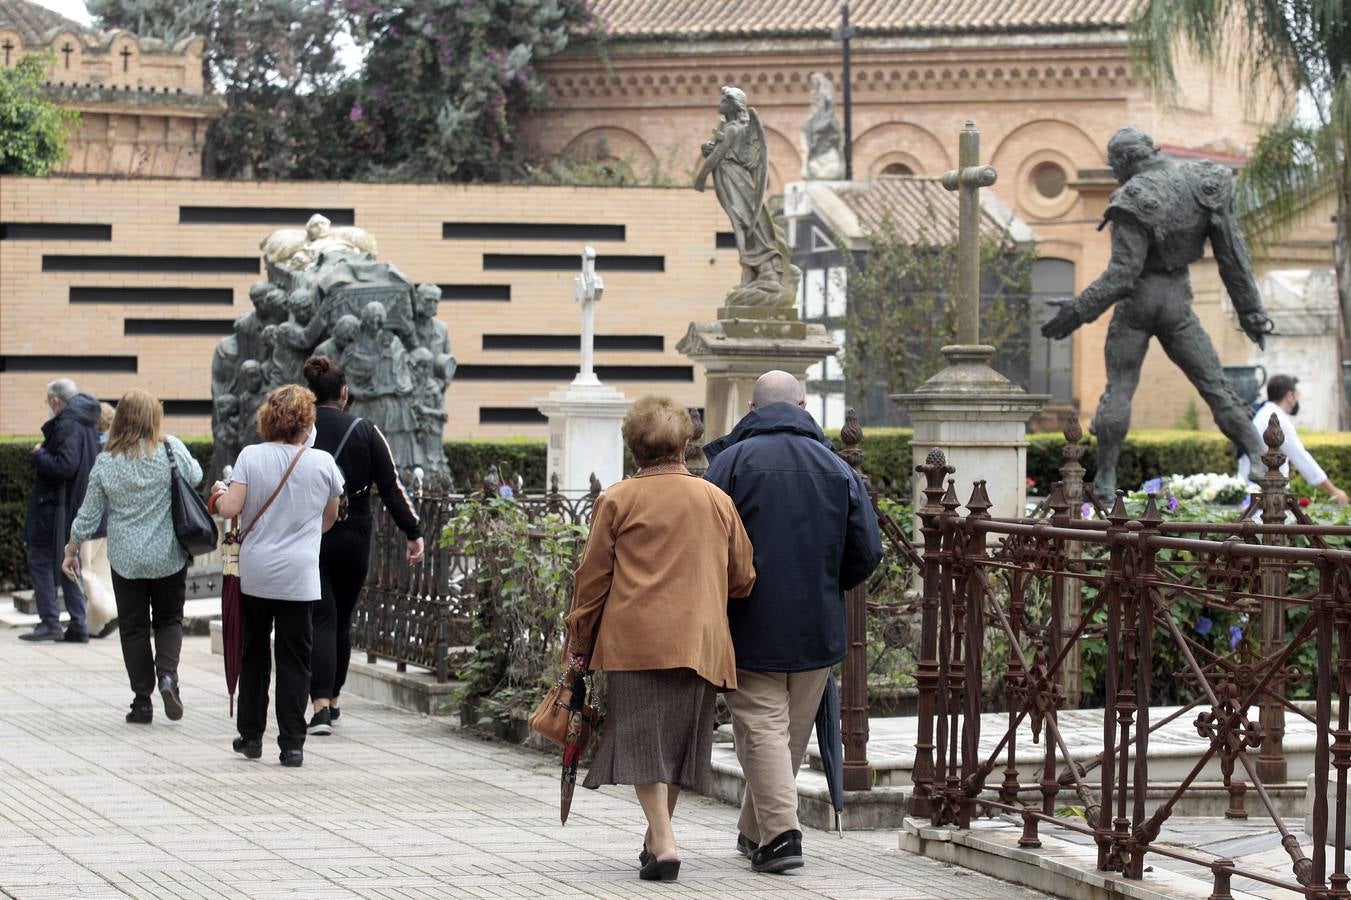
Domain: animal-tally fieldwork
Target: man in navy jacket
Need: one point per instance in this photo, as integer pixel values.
(815, 535)
(70, 441)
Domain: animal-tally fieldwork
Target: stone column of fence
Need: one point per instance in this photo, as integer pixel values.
(1072, 592)
(858, 775)
(1271, 764)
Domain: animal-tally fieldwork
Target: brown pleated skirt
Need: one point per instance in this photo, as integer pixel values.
(658, 728)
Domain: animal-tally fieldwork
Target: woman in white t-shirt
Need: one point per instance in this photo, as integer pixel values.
(285, 495)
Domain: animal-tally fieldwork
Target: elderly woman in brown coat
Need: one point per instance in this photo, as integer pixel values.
(649, 608)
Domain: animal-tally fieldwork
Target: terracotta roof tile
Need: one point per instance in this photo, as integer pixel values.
(32, 22)
(921, 209)
(654, 19)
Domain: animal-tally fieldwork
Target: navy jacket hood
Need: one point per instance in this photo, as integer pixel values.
(811, 522)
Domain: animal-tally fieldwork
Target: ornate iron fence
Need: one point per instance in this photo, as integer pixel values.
(416, 615)
(1009, 578)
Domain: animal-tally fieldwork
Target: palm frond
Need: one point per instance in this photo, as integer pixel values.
(1292, 166)
(1260, 38)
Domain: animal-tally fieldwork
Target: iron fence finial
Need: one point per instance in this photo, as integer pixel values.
(1117, 516)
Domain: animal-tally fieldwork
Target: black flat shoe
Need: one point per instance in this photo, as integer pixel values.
(745, 846)
(779, 855)
(293, 759)
(142, 713)
(250, 749)
(660, 869)
(107, 629)
(168, 689)
(75, 637)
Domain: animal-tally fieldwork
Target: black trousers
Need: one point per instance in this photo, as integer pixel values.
(294, 635)
(344, 559)
(143, 605)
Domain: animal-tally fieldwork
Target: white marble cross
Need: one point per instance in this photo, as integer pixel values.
(586, 290)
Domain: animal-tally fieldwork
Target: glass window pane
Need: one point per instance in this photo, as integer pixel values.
(816, 293)
(836, 292)
(834, 411)
(815, 372)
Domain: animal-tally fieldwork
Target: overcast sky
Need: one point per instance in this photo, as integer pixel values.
(71, 9)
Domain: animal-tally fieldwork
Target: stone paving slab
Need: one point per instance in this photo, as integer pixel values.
(394, 805)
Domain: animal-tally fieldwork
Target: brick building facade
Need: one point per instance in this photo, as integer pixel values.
(143, 104)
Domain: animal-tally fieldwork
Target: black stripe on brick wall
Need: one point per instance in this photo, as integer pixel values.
(54, 231)
(724, 240)
(498, 293)
(216, 265)
(511, 415)
(176, 327)
(569, 262)
(14, 363)
(638, 342)
(187, 407)
(260, 215)
(222, 296)
(507, 372)
(529, 231)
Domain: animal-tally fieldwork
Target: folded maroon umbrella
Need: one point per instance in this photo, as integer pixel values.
(231, 626)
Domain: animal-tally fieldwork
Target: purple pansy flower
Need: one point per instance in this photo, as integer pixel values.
(1235, 635)
(1086, 511)
(1173, 503)
(1204, 625)
(1152, 486)
(355, 112)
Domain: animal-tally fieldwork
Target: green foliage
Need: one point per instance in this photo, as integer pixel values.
(276, 63)
(1190, 420)
(469, 460)
(521, 589)
(438, 97)
(899, 310)
(33, 129)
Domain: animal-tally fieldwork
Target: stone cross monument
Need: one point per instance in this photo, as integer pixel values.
(976, 416)
(586, 290)
(584, 416)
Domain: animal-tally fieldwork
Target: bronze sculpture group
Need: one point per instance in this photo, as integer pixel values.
(327, 295)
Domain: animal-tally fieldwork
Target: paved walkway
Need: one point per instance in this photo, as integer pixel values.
(394, 805)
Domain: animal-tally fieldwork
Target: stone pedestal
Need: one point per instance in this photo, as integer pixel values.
(584, 436)
(743, 344)
(978, 418)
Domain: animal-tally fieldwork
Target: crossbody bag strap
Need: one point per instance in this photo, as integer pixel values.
(169, 452)
(347, 434)
(289, 469)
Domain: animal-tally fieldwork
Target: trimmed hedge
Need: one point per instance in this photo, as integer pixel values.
(886, 458)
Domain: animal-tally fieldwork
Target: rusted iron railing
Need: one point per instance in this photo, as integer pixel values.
(981, 578)
(415, 615)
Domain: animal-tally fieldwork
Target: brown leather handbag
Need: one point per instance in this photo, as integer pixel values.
(550, 719)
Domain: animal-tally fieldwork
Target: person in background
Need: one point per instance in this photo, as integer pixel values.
(96, 577)
(649, 608)
(129, 487)
(1283, 400)
(62, 461)
(285, 496)
(364, 458)
(815, 535)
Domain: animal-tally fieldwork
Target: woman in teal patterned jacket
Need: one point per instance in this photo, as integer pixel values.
(130, 482)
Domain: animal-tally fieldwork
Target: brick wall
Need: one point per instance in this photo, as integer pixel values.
(141, 218)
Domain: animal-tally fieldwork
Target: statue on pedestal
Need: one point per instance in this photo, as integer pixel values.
(736, 158)
(822, 134)
(1161, 217)
(326, 294)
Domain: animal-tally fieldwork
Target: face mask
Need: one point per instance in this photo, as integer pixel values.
(1294, 410)
(309, 439)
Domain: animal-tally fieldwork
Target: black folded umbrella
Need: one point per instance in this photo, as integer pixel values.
(830, 741)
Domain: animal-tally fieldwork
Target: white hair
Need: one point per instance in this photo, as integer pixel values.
(62, 389)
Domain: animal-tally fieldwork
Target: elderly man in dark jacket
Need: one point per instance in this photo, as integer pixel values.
(815, 536)
(70, 441)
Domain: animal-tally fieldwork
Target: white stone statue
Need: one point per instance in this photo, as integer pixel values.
(297, 249)
(822, 135)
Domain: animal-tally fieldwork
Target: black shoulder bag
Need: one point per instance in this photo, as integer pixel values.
(193, 525)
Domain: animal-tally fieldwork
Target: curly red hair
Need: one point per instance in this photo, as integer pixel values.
(287, 414)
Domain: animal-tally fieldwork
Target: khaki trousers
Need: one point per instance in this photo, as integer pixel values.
(772, 718)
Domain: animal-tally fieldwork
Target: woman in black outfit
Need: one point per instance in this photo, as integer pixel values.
(363, 455)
